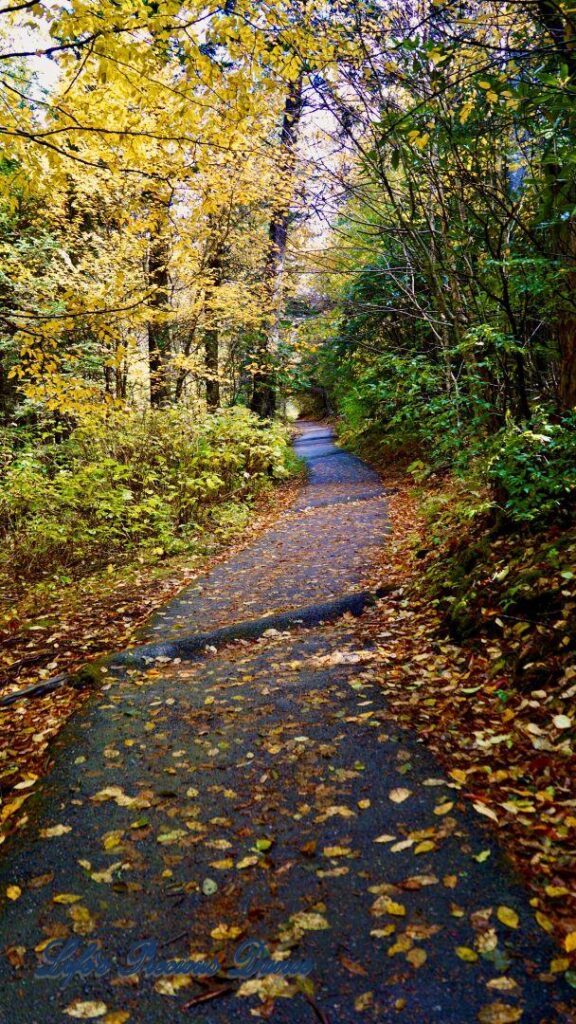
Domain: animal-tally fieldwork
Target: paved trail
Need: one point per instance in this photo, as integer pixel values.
(251, 784)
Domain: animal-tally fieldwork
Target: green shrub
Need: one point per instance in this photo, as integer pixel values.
(156, 479)
(533, 471)
(399, 406)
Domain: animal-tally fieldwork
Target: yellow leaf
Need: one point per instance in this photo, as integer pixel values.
(112, 839)
(310, 921)
(117, 1017)
(557, 890)
(271, 986)
(115, 793)
(247, 862)
(544, 922)
(168, 838)
(469, 956)
(27, 782)
(425, 847)
(499, 1013)
(502, 984)
(486, 811)
(54, 831)
(225, 931)
(107, 874)
(383, 933)
(570, 942)
(66, 897)
(169, 986)
(363, 1002)
(9, 809)
(559, 965)
(507, 916)
(86, 1010)
(417, 957)
(386, 905)
(13, 892)
(84, 923)
(404, 844)
(444, 808)
(399, 795)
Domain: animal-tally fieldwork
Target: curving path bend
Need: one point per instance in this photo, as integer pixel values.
(239, 795)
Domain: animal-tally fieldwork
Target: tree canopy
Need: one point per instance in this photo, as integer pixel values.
(239, 202)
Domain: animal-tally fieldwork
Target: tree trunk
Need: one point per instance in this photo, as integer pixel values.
(8, 395)
(567, 377)
(263, 401)
(158, 329)
(560, 29)
(212, 333)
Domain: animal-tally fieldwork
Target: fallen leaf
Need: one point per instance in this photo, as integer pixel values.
(337, 851)
(469, 956)
(444, 808)
(84, 923)
(507, 916)
(171, 984)
(404, 844)
(247, 862)
(54, 831)
(226, 931)
(352, 966)
(499, 1013)
(167, 838)
(425, 847)
(364, 1001)
(107, 874)
(115, 793)
(399, 795)
(310, 921)
(309, 849)
(86, 1010)
(386, 905)
(502, 984)
(417, 957)
(271, 986)
(263, 845)
(486, 811)
(383, 933)
(11, 808)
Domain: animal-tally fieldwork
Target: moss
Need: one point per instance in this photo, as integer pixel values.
(88, 676)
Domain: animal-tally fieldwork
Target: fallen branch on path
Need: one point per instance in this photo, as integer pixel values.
(186, 648)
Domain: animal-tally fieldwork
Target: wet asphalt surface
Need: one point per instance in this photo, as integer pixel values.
(238, 796)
